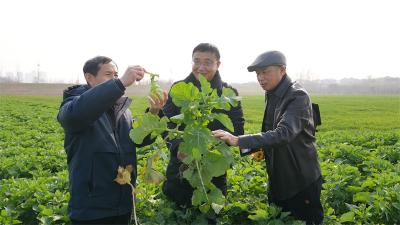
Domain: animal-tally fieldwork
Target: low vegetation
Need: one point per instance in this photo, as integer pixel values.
(358, 146)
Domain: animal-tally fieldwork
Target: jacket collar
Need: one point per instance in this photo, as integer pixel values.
(216, 82)
(283, 85)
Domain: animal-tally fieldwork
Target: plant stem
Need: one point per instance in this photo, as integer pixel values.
(152, 74)
(201, 179)
(174, 131)
(133, 202)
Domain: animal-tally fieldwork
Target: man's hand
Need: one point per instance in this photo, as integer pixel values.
(229, 138)
(131, 75)
(157, 102)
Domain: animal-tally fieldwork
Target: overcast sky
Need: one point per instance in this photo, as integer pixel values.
(321, 39)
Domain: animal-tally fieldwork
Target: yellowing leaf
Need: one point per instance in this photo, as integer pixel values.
(258, 155)
(154, 177)
(150, 175)
(124, 175)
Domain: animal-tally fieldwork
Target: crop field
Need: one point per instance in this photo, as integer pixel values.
(358, 147)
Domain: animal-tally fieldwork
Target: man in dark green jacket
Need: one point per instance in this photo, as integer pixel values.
(287, 139)
(97, 122)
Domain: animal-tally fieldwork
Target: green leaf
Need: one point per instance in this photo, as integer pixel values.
(200, 220)
(155, 88)
(216, 196)
(196, 137)
(258, 214)
(188, 174)
(225, 120)
(216, 207)
(196, 153)
(274, 211)
(46, 212)
(347, 217)
(198, 197)
(353, 189)
(145, 125)
(205, 85)
(57, 217)
(230, 96)
(369, 183)
(215, 163)
(204, 207)
(362, 197)
(183, 94)
(178, 118)
(192, 175)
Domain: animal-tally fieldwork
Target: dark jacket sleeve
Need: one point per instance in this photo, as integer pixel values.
(78, 112)
(293, 120)
(169, 110)
(236, 116)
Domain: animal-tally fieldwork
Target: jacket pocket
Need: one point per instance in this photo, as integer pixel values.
(104, 192)
(128, 155)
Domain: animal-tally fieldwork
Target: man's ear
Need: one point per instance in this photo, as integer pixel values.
(283, 70)
(89, 78)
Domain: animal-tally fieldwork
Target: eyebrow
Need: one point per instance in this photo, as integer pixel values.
(110, 71)
(207, 60)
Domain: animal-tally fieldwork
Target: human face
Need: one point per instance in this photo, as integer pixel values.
(269, 77)
(106, 72)
(205, 63)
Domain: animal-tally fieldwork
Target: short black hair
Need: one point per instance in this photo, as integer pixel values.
(92, 66)
(207, 47)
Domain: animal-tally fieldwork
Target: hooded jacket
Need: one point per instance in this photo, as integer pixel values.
(290, 149)
(96, 122)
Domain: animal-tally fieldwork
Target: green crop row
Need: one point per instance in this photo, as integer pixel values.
(358, 146)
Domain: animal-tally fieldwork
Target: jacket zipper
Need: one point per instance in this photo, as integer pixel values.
(113, 123)
(121, 160)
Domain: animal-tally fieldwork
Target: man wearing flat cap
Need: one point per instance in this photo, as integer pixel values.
(287, 140)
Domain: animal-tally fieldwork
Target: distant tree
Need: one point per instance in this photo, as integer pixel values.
(19, 77)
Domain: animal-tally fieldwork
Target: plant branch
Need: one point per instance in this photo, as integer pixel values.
(201, 179)
(133, 202)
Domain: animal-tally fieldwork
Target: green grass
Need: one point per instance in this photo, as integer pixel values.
(359, 112)
(338, 112)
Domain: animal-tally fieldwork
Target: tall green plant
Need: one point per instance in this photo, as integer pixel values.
(207, 157)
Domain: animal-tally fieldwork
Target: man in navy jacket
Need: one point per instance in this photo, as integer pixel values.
(97, 122)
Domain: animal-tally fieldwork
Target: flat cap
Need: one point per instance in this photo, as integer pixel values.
(267, 59)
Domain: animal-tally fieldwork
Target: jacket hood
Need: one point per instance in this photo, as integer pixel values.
(75, 90)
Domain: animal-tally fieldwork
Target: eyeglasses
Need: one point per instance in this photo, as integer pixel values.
(207, 63)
